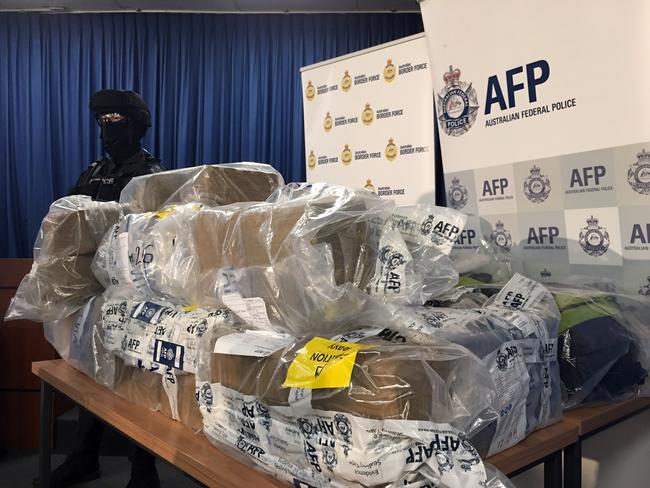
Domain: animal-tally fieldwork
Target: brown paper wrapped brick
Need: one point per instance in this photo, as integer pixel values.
(386, 383)
(211, 185)
(61, 280)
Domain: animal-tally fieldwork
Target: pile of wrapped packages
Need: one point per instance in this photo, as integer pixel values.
(318, 332)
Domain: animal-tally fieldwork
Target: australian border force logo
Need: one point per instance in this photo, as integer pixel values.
(457, 194)
(537, 186)
(594, 239)
(457, 104)
(638, 176)
(501, 237)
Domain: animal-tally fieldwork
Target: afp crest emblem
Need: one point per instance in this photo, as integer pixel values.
(457, 194)
(501, 237)
(457, 104)
(638, 176)
(594, 239)
(537, 186)
(645, 288)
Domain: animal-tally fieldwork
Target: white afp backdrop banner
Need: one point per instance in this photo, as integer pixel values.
(544, 117)
(369, 121)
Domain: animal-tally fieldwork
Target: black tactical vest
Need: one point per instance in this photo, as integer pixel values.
(105, 179)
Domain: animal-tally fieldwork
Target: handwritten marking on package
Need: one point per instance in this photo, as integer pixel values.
(322, 363)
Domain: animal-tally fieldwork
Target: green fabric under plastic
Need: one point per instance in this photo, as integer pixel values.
(575, 310)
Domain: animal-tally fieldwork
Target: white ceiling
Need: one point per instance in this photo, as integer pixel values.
(219, 6)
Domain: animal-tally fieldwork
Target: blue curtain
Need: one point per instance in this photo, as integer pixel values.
(221, 88)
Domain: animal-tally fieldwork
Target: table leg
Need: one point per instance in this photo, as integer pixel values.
(553, 471)
(573, 465)
(45, 448)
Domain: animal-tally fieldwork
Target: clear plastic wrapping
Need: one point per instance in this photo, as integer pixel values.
(604, 344)
(61, 279)
(604, 337)
(153, 345)
(311, 256)
(314, 254)
(152, 253)
(353, 411)
(479, 260)
(515, 334)
(218, 184)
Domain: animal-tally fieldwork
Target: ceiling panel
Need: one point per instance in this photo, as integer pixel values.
(212, 5)
(298, 5)
(388, 5)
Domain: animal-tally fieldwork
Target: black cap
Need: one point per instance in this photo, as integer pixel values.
(125, 102)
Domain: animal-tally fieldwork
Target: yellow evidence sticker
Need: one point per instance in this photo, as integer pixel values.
(322, 363)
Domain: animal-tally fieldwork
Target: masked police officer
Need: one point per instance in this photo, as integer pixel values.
(123, 118)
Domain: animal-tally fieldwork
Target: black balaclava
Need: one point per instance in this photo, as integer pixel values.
(121, 140)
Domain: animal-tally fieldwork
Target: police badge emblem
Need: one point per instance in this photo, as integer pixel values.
(645, 288)
(368, 115)
(457, 194)
(391, 150)
(537, 187)
(502, 361)
(594, 239)
(457, 104)
(311, 160)
(391, 258)
(346, 82)
(427, 226)
(328, 123)
(346, 156)
(343, 426)
(369, 186)
(390, 71)
(638, 176)
(500, 237)
(310, 91)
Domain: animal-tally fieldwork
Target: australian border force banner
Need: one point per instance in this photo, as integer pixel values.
(369, 121)
(543, 110)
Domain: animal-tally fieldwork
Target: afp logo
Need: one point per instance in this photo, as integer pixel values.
(537, 187)
(638, 176)
(501, 237)
(457, 194)
(594, 239)
(457, 104)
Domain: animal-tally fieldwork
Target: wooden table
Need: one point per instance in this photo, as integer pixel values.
(590, 421)
(170, 440)
(192, 453)
(542, 446)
